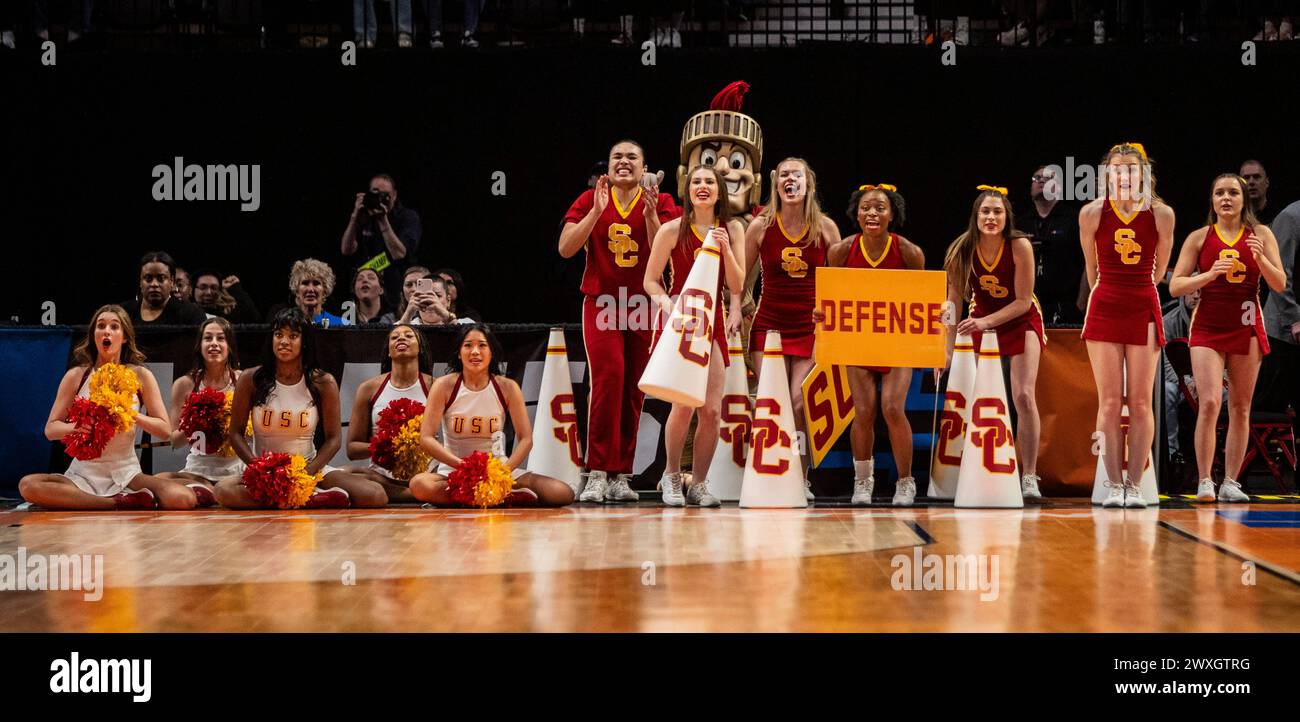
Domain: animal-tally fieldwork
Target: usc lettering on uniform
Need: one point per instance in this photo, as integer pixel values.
(1238, 272)
(1126, 245)
(475, 424)
(990, 284)
(622, 245)
(283, 420)
(792, 262)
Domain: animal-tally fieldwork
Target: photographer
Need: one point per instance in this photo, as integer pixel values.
(384, 232)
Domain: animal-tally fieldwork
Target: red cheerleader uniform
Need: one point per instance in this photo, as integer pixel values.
(789, 268)
(891, 259)
(680, 262)
(995, 288)
(1228, 315)
(1124, 300)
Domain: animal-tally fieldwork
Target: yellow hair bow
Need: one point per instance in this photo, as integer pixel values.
(881, 187)
(999, 189)
(1141, 149)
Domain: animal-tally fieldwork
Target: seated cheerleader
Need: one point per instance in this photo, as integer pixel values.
(287, 397)
(215, 367)
(469, 405)
(405, 368)
(113, 479)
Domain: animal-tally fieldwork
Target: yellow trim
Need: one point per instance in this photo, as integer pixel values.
(862, 244)
(711, 251)
(987, 266)
(613, 196)
(1240, 231)
(781, 226)
(1120, 216)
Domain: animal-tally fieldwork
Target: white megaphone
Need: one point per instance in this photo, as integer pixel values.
(774, 470)
(951, 439)
(989, 475)
(1147, 488)
(727, 470)
(678, 370)
(557, 450)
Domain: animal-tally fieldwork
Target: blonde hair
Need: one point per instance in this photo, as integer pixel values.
(311, 268)
(812, 210)
(1148, 167)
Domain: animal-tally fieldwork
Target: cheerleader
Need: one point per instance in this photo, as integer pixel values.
(1002, 291)
(1224, 261)
(114, 480)
(405, 375)
(788, 241)
(676, 246)
(878, 210)
(287, 397)
(1126, 236)
(469, 406)
(215, 366)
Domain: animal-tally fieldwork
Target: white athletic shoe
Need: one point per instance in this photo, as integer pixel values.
(905, 492)
(1133, 497)
(862, 491)
(1115, 498)
(595, 489)
(671, 486)
(618, 489)
(1205, 490)
(807, 490)
(1029, 486)
(698, 494)
(1230, 490)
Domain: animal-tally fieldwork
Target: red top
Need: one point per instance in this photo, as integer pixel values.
(618, 245)
(789, 267)
(1126, 248)
(682, 259)
(994, 284)
(1226, 293)
(891, 258)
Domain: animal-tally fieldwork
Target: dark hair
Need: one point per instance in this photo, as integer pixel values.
(456, 279)
(424, 359)
(206, 272)
(264, 379)
(1248, 217)
(198, 366)
(384, 306)
(897, 206)
(386, 177)
(159, 257)
(494, 365)
(721, 207)
(622, 141)
(87, 353)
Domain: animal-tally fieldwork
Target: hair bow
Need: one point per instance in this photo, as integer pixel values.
(881, 187)
(999, 189)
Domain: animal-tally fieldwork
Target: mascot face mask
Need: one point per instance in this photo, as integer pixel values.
(731, 142)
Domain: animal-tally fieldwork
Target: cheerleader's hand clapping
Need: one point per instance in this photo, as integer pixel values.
(1256, 246)
(600, 198)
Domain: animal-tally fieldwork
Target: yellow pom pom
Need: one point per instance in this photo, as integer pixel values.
(493, 490)
(411, 457)
(304, 484)
(114, 387)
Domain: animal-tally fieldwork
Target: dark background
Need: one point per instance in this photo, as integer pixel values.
(81, 139)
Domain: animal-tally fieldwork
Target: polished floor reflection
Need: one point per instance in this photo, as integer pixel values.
(1061, 567)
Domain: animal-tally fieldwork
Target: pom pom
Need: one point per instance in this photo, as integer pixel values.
(730, 97)
(481, 480)
(396, 443)
(114, 387)
(280, 480)
(206, 412)
(96, 429)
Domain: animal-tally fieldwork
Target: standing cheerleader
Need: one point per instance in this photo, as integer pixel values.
(1003, 293)
(113, 480)
(878, 210)
(1224, 261)
(215, 366)
(1126, 236)
(676, 245)
(469, 406)
(287, 397)
(405, 374)
(789, 240)
(615, 222)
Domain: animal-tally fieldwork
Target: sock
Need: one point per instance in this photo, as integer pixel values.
(863, 469)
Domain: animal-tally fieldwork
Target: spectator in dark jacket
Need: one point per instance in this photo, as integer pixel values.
(224, 297)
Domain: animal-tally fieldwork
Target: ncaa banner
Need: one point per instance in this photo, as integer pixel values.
(875, 317)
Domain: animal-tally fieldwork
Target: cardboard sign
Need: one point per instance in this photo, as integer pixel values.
(874, 317)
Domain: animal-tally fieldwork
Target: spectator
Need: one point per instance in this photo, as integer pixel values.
(430, 308)
(1060, 283)
(1277, 375)
(311, 282)
(182, 288)
(386, 233)
(433, 8)
(1257, 185)
(1177, 322)
(156, 306)
(224, 297)
(77, 26)
(365, 24)
(368, 295)
(455, 289)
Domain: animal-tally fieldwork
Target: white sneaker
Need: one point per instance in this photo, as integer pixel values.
(1205, 490)
(671, 486)
(862, 491)
(595, 489)
(618, 489)
(1230, 490)
(436, 41)
(1115, 498)
(698, 494)
(1029, 486)
(905, 491)
(807, 490)
(1133, 497)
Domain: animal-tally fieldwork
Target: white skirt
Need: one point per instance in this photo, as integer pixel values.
(213, 466)
(103, 477)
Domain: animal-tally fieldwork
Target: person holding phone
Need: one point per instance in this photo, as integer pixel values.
(429, 305)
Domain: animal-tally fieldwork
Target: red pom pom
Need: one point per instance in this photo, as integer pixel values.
(463, 480)
(98, 426)
(730, 97)
(204, 413)
(391, 419)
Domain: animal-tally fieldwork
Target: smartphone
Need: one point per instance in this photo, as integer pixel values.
(424, 285)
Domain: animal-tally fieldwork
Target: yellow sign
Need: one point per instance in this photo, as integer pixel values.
(828, 408)
(876, 317)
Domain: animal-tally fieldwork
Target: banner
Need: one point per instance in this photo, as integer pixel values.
(877, 317)
(828, 408)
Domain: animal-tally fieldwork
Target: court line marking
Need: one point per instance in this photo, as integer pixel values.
(920, 531)
(1286, 574)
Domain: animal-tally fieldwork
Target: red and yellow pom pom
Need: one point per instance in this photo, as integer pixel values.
(481, 480)
(206, 413)
(280, 480)
(98, 427)
(396, 443)
(114, 387)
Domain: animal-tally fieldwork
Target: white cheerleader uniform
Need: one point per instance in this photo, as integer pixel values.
(286, 422)
(217, 465)
(474, 421)
(387, 393)
(116, 467)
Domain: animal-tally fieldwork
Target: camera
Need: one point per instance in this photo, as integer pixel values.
(375, 201)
